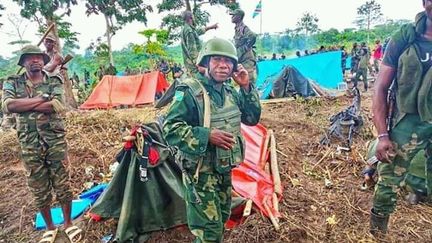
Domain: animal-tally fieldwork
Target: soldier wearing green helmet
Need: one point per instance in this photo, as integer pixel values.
(203, 122)
(37, 99)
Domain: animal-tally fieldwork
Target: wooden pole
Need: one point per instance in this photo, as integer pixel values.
(274, 165)
(263, 158)
(273, 219)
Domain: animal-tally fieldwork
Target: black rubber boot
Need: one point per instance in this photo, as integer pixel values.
(378, 224)
(414, 198)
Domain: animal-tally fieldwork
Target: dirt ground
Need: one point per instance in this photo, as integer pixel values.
(311, 212)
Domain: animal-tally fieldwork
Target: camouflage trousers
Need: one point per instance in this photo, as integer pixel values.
(361, 72)
(206, 220)
(416, 178)
(43, 161)
(409, 136)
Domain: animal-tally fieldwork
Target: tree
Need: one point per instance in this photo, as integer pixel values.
(308, 24)
(368, 14)
(69, 37)
(117, 14)
(20, 26)
(173, 21)
(154, 46)
(32, 9)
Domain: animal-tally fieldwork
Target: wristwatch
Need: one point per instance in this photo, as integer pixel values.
(46, 97)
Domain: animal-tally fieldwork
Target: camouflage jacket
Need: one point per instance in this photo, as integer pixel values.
(182, 127)
(16, 87)
(191, 46)
(244, 41)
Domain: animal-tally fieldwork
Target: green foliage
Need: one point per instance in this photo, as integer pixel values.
(65, 33)
(46, 8)
(124, 11)
(369, 14)
(173, 21)
(308, 24)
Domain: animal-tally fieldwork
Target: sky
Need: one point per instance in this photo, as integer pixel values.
(277, 15)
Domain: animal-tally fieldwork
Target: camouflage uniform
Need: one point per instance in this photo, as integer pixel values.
(244, 41)
(191, 45)
(413, 126)
(184, 128)
(362, 71)
(42, 139)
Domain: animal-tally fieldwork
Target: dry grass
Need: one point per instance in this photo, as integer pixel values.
(95, 137)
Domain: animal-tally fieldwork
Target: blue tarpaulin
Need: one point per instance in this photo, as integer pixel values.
(324, 68)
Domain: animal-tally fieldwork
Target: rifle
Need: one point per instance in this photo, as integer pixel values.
(66, 60)
(391, 105)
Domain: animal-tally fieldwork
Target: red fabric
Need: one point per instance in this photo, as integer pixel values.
(255, 138)
(113, 91)
(377, 54)
(153, 156)
(130, 144)
(249, 180)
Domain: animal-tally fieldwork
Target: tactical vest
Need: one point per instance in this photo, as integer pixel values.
(226, 118)
(414, 88)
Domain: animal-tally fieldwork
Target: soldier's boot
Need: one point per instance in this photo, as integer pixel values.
(378, 224)
(415, 198)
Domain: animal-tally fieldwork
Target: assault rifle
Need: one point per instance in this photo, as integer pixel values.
(345, 124)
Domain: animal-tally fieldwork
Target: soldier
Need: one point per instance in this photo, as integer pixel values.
(362, 69)
(355, 58)
(190, 42)
(407, 60)
(204, 123)
(244, 40)
(53, 67)
(37, 99)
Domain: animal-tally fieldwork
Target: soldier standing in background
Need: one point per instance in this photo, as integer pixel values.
(244, 41)
(190, 42)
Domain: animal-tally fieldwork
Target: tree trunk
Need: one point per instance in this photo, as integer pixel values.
(67, 85)
(109, 36)
(188, 6)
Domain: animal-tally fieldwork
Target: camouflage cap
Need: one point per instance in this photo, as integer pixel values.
(32, 50)
(238, 12)
(51, 36)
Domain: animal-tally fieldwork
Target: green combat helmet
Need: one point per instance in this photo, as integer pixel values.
(32, 50)
(217, 47)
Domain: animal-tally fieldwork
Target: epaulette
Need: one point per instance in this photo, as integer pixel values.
(14, 77)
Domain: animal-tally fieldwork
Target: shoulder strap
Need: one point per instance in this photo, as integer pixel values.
(198, 89)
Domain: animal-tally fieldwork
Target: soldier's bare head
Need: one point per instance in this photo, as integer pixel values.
(188, 17)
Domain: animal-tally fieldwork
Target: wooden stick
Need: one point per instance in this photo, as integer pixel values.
(274, 165)
(263, 158)
(269, 212)
(275, 201)
(248, 208)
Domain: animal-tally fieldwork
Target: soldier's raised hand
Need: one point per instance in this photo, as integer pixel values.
(241, 77)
